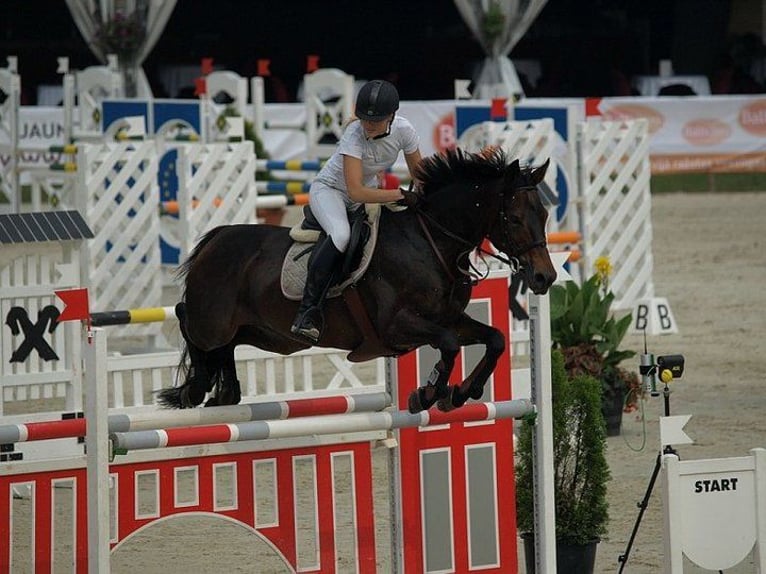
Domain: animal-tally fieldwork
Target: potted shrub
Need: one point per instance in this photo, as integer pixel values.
(586, 331)
(580, 470)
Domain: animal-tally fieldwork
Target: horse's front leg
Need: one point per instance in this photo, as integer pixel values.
(470, 331)
(410, 329)
(437, 384)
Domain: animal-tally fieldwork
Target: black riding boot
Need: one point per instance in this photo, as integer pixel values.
(321, 272)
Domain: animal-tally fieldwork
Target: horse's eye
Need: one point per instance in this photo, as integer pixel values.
(515, 220)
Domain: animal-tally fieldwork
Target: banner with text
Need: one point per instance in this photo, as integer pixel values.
(725, 134)
(688, 134)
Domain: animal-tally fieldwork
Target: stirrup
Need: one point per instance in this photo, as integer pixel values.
(311, 333)
(305, 326)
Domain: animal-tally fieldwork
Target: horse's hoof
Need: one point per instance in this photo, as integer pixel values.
(455, 400)
(190, 398)
(413, 402)
(476, 392)
(445, 406)
(231, 396)
(451, 401)
(426, 397)
(212, 402)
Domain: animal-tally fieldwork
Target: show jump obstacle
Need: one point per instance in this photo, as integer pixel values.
(451, 486)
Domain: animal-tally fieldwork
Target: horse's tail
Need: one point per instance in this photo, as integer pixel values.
(183, 268)
(171, 398)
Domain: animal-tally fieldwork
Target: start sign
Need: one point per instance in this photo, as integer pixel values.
(715, 511)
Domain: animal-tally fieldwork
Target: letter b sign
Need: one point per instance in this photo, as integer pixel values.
(654, 317)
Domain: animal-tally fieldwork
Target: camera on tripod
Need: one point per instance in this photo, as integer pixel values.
(667, 368)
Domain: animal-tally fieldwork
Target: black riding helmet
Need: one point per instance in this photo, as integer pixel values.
(376, 100)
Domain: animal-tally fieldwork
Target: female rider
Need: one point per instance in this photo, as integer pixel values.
(367, 148)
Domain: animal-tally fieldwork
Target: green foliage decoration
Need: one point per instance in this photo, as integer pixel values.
(493, 22)
(579, 462)
(589, 335)
(581, 315)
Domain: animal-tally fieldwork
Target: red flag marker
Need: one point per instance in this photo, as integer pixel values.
(263, 68)
(497, 111)
(207, 66)
(76, 306)
(200, 86)
(312, 63)
(592, 107)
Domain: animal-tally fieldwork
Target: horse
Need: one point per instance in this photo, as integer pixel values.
(414, 292)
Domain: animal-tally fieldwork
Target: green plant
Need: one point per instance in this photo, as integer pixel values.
(493, 22)
(588, 334)
(581, 315)
(579, 462)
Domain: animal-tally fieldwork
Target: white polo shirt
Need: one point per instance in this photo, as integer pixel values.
(376, 154)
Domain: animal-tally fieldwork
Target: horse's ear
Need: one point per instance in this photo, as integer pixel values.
(512, 171)
(538, 173)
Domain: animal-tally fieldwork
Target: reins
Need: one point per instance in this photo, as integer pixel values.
(419, 214)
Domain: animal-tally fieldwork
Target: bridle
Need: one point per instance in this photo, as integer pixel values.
(542, 242)
(513, 261)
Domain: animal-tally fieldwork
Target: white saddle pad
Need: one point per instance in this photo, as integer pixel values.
(295, 265)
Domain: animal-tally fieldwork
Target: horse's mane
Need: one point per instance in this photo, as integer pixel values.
(438, 170)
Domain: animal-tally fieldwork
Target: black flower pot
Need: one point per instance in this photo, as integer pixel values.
(570, 558)
(611, 407)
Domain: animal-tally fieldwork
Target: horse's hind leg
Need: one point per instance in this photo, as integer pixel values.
(192, 392)
(228, 391)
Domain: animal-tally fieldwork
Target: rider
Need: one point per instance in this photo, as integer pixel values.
(350, 177)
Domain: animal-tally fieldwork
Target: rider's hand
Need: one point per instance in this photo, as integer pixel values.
(409, 198)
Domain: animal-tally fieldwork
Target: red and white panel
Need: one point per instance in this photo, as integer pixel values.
(457, 489)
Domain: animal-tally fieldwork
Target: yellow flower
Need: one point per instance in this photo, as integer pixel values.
(603, 269)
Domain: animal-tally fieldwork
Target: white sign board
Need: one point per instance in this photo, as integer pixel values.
(715, 511)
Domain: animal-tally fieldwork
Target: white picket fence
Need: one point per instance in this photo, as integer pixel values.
(28, 278)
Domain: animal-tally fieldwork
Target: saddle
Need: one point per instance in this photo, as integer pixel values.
(364, 233)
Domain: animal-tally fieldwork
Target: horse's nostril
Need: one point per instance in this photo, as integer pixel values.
(550, 278)
(539, 282)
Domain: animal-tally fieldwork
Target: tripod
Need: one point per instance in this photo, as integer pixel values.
(623, 558)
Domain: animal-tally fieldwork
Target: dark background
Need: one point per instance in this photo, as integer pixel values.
(585, 48)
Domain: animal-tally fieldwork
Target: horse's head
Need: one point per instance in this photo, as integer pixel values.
(519, 228)
(478, 195)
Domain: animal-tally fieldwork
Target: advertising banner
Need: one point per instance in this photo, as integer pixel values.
(688, 134)
(39, 128)
(696, 134)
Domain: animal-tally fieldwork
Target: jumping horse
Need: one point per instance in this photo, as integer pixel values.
(414, 292)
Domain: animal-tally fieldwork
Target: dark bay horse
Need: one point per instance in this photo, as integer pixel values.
(414, 292)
